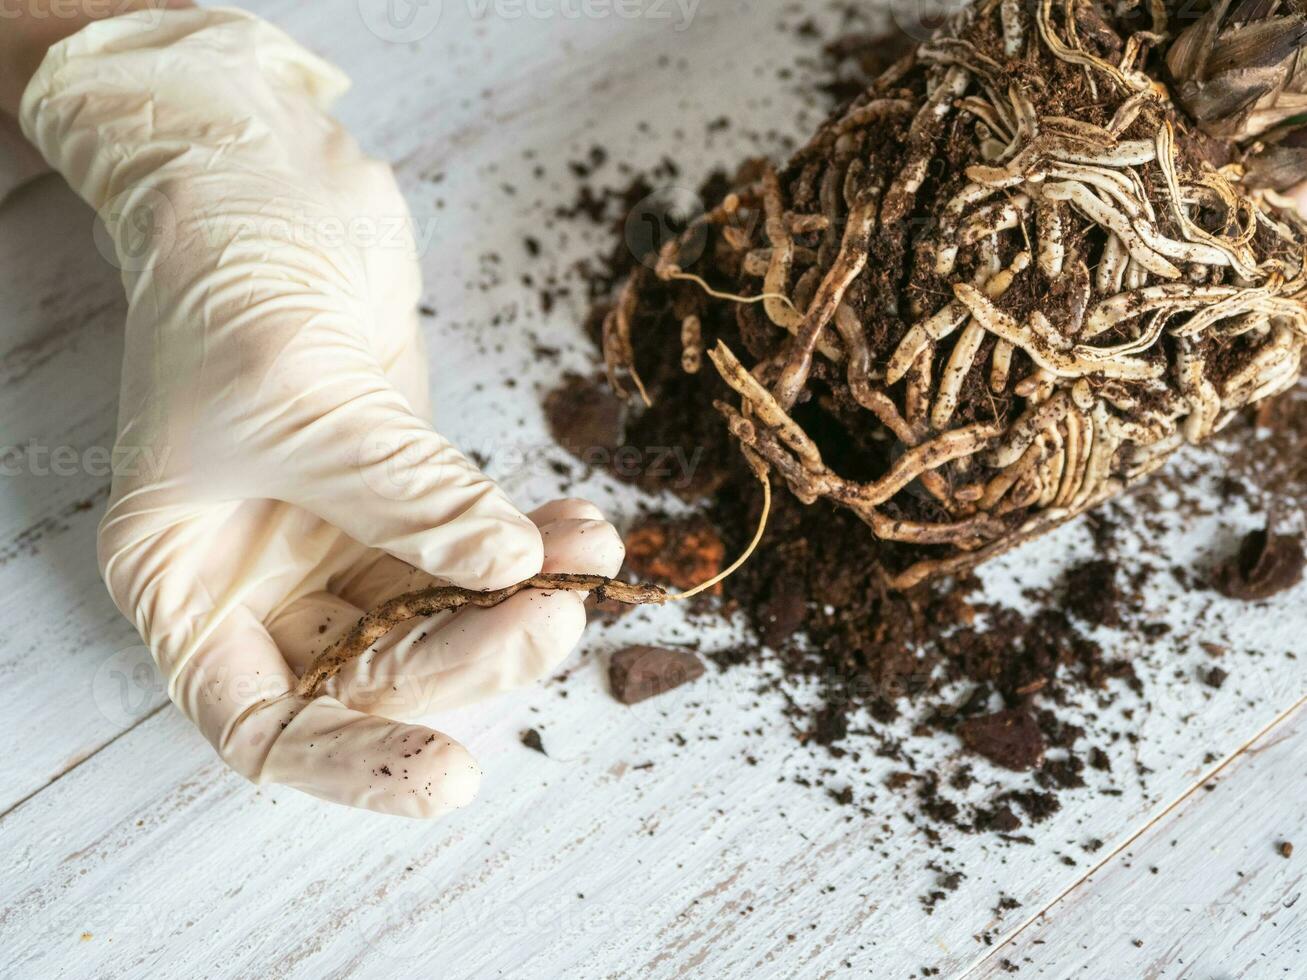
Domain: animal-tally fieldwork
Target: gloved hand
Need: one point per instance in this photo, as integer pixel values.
(277, 474)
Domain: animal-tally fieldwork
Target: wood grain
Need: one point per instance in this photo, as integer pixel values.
(647, 844)
(1205, 891)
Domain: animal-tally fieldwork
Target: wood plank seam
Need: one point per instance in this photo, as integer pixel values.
(1244, 750)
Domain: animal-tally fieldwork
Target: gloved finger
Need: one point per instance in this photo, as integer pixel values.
(311, 625)
(566, 508)
(582, 546)
(365, 464)
(379, 578)
(235, 687)
(345, 756)
(420, 668)
(456, 659)
(407, 370)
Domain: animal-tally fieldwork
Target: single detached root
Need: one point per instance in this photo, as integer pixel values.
(447, 598)
(1030, 328)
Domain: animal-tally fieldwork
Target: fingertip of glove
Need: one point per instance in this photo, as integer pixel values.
(566, 509)
(444, 775)
(554, 622)
(584, 546)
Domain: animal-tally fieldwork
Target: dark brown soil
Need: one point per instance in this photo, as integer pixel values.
(585, 418)
(813, 596)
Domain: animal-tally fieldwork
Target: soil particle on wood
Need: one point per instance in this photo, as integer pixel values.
(585, 418)
(1008, 738)
(1093, 592)
(532, 740)
(1214, 677)
(641, 672)
(1266, 565)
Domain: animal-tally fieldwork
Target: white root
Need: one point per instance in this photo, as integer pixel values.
(1049, 227)
(691, 344)
(959, 365)
(922, 335)
(1103, 214)
(947, 255)
(1034, 337)
(1000, 366)
(1171, 297)
(1204, 401)
(777, 279)
(1129, 153)
(1112, 265)
(921, 140)
(1023, 431)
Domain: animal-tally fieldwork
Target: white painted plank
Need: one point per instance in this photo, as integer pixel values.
(1204, 892)
(60, 348)
(701, 864)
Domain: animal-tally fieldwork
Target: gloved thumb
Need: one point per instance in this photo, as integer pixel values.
(382, 475)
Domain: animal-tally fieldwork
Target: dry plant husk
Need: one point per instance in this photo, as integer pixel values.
(1006, 282)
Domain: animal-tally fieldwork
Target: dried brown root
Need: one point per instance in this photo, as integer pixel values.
(848, 264)
(447, 598)
(619, 354)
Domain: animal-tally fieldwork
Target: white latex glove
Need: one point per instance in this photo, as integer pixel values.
(282, 475)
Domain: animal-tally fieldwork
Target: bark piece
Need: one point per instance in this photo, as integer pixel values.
(642, 672)
(1267, 564)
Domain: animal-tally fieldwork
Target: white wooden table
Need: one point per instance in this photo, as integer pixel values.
(126, 849)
